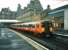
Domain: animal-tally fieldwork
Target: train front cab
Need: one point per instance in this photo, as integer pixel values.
(38, 29)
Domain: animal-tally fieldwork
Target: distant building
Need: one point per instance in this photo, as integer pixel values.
(30, 12)
(6, 13)
(19, 10)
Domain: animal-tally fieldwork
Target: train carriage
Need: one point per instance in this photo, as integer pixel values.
(36, 28)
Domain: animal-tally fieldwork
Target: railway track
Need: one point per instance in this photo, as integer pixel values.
(54, 43)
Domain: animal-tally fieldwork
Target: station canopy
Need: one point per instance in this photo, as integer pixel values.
(9, 21)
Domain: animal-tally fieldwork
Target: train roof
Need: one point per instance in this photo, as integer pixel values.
(27, 23)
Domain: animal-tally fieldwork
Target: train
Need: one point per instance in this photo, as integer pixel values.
(38, 28)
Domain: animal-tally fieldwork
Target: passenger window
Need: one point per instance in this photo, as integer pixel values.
(43, 25)
(33, 26)
(37, 25)
(30, 25)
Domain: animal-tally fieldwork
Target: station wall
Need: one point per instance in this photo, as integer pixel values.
(66, 19)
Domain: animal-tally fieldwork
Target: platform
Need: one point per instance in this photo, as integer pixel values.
(17, 41)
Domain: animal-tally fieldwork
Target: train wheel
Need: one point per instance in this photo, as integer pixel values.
(39, 35)
(34, 34)
(47, 35)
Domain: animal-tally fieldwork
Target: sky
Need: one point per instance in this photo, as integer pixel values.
(12, 4)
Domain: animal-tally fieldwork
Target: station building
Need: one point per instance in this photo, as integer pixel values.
(31, 12)
(61, 14)
(6, 13)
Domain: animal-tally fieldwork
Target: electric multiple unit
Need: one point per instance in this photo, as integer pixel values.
(36, 28)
